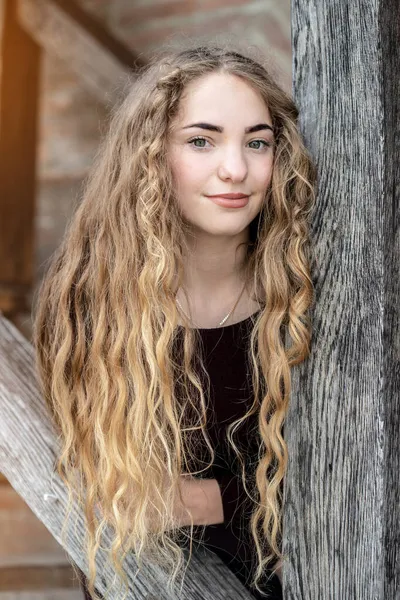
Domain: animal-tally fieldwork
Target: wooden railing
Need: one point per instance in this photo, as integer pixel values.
(28, 453)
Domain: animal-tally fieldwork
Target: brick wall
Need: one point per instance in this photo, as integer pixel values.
(70, 116)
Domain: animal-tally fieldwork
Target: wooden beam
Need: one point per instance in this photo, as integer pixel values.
(65, 30)
(19, 90)
(342, 526)
(28, 451)
(19, 578)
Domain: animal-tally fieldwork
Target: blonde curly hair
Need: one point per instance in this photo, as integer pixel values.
(106, 321)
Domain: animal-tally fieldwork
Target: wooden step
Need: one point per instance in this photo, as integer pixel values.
(24, 540)
(33, 565)
(55, 594)
(37, 578)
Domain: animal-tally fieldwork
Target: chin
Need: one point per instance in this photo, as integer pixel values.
(226, 231)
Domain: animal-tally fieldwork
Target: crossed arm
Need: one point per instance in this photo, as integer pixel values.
(204, 500)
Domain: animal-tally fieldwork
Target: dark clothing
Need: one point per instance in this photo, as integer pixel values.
(225, 360)
(231, 396)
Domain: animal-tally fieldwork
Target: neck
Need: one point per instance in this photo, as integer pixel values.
(215, 266)
(214, 278)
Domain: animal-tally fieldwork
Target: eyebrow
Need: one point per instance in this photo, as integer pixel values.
(218, 129)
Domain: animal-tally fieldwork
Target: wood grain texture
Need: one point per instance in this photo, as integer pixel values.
(342, 495)
(28, 451)
(64, 29)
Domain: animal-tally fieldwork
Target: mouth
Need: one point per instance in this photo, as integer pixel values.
(230, 196)
(230, 200)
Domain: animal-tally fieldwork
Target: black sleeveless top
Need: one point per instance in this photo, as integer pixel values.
(225, 360)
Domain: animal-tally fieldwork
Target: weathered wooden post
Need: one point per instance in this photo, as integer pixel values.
(342, 517)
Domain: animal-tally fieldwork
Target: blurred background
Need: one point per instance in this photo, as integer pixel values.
(61, 63)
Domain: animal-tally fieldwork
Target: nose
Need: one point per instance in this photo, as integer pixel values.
(233, 166)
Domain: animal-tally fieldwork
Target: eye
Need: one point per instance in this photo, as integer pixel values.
(198, 139)
(266, 144)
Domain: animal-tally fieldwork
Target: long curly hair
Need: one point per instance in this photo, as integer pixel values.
(105, 323)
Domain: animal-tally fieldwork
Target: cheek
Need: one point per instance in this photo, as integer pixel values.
(188, 173)
(264, 174)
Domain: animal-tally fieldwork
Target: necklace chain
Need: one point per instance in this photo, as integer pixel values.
(224, 319)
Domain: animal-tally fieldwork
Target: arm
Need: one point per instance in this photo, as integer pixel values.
(203, 499)
(224, 495)
(212, 501)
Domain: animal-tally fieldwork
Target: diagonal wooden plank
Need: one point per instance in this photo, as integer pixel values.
(64, 29)
(28, 450)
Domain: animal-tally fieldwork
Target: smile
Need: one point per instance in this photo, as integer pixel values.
(230, 202)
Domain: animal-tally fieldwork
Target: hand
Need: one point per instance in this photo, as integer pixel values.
(202, 497)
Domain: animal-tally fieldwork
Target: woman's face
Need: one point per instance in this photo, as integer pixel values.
(221, 143)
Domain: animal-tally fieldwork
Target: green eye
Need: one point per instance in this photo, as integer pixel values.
(197, 139)
(266, 144)
(200, 142)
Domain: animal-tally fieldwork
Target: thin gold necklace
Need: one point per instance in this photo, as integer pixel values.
(224, 319)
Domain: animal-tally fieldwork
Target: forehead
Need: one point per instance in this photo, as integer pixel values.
(220, 97)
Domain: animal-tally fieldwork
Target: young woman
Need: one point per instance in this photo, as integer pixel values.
(172, 312)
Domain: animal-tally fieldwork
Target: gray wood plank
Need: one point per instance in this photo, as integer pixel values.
(28, 450)
(341, 523)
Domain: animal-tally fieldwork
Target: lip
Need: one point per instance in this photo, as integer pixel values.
(230, 200)
(231, 196)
